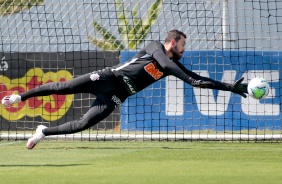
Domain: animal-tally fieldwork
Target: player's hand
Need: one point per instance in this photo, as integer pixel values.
(240, 88)
(202, 84)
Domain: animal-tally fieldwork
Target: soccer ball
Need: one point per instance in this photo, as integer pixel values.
(258, 88)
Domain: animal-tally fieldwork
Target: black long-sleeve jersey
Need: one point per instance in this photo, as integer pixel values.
(151, 64)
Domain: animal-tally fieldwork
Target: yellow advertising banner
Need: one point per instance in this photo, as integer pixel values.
(50, 108)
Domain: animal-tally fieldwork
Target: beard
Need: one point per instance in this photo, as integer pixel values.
(176, 54)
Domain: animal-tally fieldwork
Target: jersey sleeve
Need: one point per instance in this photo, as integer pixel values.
(216, 84)
(175, 68)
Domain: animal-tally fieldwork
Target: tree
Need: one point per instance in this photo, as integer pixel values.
(132, 35)
(8, 7)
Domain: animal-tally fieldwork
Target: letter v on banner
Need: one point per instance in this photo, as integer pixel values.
(204, 97)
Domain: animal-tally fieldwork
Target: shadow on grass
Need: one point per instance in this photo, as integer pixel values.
(177, 148)
(113, 148)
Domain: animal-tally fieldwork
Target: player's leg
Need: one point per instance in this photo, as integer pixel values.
(100, 109)
(94, 115)
(76, 85)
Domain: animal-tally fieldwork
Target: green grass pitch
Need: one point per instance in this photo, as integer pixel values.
(140, 162)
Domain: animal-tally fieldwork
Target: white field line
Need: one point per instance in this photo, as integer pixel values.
(109, 137)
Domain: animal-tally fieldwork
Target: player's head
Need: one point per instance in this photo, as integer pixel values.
(177, 41)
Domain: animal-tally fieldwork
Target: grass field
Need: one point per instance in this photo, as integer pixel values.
(140, 162)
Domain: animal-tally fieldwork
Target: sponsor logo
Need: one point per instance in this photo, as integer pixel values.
(130, 85)
(153, 71)
(50, 108)
(116, 100)
(94, 76)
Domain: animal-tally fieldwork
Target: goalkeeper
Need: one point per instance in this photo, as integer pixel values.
(113, 85)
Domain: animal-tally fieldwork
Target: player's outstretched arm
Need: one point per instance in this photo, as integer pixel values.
(204, 82)
(178, 70)
(238, 87)
(199, 83)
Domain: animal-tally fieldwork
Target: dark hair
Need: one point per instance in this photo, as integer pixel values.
(174, 34)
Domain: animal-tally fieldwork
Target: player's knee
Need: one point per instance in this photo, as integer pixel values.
(78, 125)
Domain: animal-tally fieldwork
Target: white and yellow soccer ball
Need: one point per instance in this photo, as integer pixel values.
(258, 88)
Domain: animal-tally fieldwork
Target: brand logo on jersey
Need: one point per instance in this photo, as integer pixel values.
(130, 85)
(94, 76)
(153, 71)
(116, 100)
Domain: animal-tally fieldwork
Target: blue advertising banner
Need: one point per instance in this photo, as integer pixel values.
(172, 105)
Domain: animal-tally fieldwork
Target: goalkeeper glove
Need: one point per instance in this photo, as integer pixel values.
(240, 88)
(201, 83)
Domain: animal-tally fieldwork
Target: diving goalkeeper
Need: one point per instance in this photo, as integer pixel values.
(113, 85)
